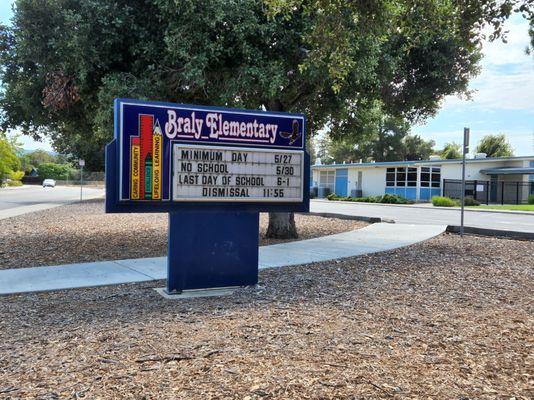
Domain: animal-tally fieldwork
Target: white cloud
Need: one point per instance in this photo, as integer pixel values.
(507, 77)
(511, 52)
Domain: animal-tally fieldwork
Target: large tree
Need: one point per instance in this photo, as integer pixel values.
(9, 162)
(451, 151)
(390, 141)
(63, 61)
(495, 146)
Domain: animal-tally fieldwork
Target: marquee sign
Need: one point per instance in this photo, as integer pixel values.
(205, 173)
(169, 156)
(213, 170)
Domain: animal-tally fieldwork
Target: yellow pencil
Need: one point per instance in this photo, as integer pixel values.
(157, 146)
(136, 172)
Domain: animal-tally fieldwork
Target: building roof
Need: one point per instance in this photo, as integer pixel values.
(423, 162)
(508, 171)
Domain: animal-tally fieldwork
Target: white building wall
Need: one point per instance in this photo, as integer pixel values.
(353, 179)
(374, 181)
(472, 169)
(374, 177)
(315, 177)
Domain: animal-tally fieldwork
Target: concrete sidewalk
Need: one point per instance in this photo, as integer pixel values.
(371, 239)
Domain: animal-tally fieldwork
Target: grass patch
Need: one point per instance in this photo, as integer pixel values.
(513, 207)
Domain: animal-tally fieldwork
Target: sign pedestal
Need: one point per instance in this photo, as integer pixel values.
(209, 249)
(213, 170)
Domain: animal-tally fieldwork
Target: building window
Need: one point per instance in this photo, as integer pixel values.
(431, 177)
(390, 177)
(425, 176)
(401, 176)
(327, 179)
(436, 177)
(411, 179)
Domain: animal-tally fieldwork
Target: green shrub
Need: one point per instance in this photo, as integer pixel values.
(531, 199)
(14, 183)
(16, 175)
(387, 198)
(469, 201)
(440, 201)
(394, 199)
(332, 196)
(53, 171)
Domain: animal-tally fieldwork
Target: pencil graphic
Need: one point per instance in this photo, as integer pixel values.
(148, 177)
(157, 145)
(135, 169)
(146, 128)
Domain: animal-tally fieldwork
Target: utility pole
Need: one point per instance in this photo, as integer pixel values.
(465, 150)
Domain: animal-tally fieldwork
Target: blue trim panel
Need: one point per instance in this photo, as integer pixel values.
(342, 180)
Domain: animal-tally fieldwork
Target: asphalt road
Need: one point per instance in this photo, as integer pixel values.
(20, 200)
(420, 215)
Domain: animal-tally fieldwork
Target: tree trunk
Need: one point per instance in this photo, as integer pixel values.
(282, 226)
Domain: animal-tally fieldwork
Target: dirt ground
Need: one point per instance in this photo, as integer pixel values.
(82, 232)
(444, 319)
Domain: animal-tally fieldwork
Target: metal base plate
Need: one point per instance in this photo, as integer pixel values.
(191, 294)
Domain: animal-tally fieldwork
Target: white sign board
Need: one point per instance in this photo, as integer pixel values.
(480, 188)
(211, 173)
(81, 162)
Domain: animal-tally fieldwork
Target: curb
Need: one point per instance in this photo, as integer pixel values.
(416, 205)
(371, 220)
(450, 228)
(491, 232)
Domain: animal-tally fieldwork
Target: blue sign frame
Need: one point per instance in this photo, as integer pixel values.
(129, 114)
(211, 243)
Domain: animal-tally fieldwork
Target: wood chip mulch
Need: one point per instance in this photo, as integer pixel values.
(444, 319)
(82, 232)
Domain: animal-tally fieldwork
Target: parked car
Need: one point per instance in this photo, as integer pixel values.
(49, 183)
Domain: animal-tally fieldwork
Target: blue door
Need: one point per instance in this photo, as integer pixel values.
(342, 181)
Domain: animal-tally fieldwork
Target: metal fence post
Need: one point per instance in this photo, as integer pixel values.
(502, 193)
(81, 183)
(517, 193)
(465, 149)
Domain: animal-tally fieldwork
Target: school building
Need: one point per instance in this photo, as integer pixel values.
(489, 180)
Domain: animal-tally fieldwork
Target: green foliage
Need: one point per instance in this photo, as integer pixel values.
(16, 175)
(495, 146)
(342, 63)
(440, 201)
(333, 196)
(14, 183)
(416, 148)
(394, 199)
(53, 171)
(451, 151)
(9, 161)
(38, 157)
(531, 199)
(386, 198)
(469, 201)
(388, 140)
(35, 158)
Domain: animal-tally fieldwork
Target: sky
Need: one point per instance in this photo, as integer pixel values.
(502, 102)
(503, 99)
